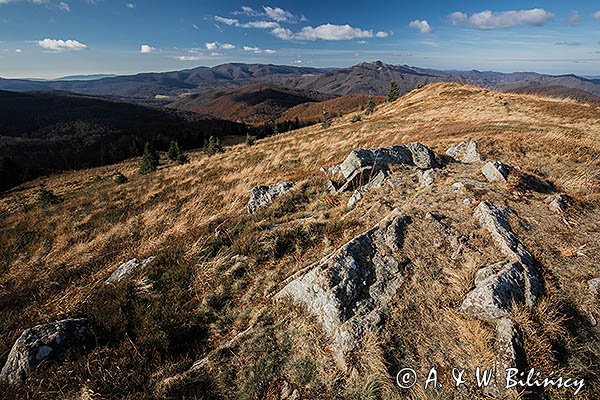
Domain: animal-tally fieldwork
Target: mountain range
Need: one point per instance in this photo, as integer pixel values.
(364, 78)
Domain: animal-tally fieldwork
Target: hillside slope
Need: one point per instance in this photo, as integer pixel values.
(209, 292)
(45, 132)
(313, 112)
(258, 103)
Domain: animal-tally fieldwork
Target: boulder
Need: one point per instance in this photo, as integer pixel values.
(509, 350)
(40, 342)
(128, 268)
(558, 202)
(355, 198)
(348, 291)
(262, 196)
(465, 152)
(495, 171)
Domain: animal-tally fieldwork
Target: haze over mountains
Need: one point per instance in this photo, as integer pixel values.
(364, 78)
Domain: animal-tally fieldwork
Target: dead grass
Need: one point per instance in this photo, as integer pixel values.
(54, 258)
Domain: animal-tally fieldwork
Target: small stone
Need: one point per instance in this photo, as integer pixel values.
(594, 285)
(262, 196)
(465, 152)
(427, 177)
(558, 202)
(127, 268)
(495, 171)
(355, 198)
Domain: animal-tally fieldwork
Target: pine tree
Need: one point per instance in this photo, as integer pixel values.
(326, 121)
(182, 158)
(173, 150)
(394, 92)
(370, 109)
(150, 160)
(213, 146)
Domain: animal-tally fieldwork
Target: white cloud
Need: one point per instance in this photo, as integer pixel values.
(188, 58)
(574, 19)
(131, 6)
(596, 15)
(212, 45)
(332, 32)
(382, 34)
(64, 6)
(261, 24)
(279, 14)
(283, 33)
(60, 45)
(145, 49)
(245, 10)
(216, 54)
(217, 45)
(227, 46)
(195, 27)
(485, 20)
(258, 50)
(227, 21)
(420, 25)
(18, 51)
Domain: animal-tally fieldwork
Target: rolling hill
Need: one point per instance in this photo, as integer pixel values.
(313, 112)
(364, 78)
(256, 104)
(207, 316)
(45, 132)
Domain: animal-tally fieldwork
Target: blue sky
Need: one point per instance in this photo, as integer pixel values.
(51, 38)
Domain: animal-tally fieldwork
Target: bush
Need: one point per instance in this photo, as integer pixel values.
(250, 140)
(356, 118)
(150, 160)
(119, 178)
(212, 146)
(47, 197)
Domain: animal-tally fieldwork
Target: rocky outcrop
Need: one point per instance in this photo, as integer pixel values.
(558, 202)
(348, 290)
(465, 152)
(40, 342)
(370, 166)
(495, 171)
(262, 196)
(128, 268)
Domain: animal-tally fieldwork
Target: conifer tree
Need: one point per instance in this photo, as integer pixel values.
(394, 92)
(370, 109)
(150, 160)
(173, 150)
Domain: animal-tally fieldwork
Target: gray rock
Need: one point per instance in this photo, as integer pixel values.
(497, 287)
(465, 152)
(348, 290)
(355, 198)
(422, 156)
(262, 196)
(128, 268)
(495, 221)
(495, 171)
(558, 202)
(427, 177)
(594, 285)
(40, 342)
(509, 349)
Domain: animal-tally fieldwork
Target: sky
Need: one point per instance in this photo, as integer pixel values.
(54, 38)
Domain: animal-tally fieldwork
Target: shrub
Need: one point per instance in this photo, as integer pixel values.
(47, 197)
(182, 158)
(150, 160)
(356, 118)
(250, 140)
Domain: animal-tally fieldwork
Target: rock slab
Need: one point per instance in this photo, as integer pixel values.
(495, 171)
(40, 342)
(465, 152)
(128, 268)
(348, 291)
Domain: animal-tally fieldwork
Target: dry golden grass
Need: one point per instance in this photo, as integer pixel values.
(55, 257)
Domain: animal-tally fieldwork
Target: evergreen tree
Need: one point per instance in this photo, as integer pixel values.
(173, 150)
(326, 121)
(250, 140)
(150, 160)
(213, 146)
(370, 109)
(394, 92)
(182, 158)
